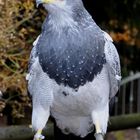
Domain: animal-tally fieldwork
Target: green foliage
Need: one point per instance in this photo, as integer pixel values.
(19, 25)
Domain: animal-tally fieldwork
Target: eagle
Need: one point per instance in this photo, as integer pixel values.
(73, 72)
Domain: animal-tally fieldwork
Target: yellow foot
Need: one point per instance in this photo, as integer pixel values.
(38, 135)
(98, 135)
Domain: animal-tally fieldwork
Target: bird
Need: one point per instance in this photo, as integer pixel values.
(73, 71)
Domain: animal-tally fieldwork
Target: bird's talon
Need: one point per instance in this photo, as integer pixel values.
(39, 137)
(99, 136)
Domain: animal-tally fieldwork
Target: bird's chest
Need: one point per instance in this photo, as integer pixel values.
(71, 103)
(71, 59)
(91, 96)
(72, 67)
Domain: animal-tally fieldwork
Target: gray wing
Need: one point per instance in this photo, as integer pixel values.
(32, 59)
(33, 54)
(38, 82)
(113, 63)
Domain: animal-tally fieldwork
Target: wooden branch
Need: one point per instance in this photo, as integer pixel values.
(23, 132)
(26, 133)
(124, 122)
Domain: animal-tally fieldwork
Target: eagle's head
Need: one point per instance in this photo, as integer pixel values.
(60, 5)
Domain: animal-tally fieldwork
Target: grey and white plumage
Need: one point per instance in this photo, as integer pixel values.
(74, 70)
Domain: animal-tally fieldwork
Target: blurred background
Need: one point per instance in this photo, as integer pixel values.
(20, 24)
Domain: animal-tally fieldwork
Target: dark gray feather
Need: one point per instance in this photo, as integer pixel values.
(72, 59)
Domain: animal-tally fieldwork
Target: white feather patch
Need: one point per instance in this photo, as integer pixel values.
(107, 36)
(35, 42)
(118, 77)
(28, 77)
(73, 112)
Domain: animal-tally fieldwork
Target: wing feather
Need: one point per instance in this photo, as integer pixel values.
(33, 54)
(113, 63)
(32, 58)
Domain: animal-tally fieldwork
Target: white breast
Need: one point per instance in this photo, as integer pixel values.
(71, 109)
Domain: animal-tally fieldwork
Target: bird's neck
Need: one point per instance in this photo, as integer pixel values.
(60, 20)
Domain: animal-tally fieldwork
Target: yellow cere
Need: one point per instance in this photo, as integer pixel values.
(48, 1)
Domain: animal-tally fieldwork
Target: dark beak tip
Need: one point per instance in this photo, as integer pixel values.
(38, 3)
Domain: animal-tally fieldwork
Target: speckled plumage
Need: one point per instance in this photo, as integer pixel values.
(76, 53)
(74, 71)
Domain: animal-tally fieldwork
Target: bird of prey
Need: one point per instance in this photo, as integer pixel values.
(74, 71)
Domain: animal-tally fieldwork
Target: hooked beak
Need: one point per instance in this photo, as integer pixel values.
(38, 2)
